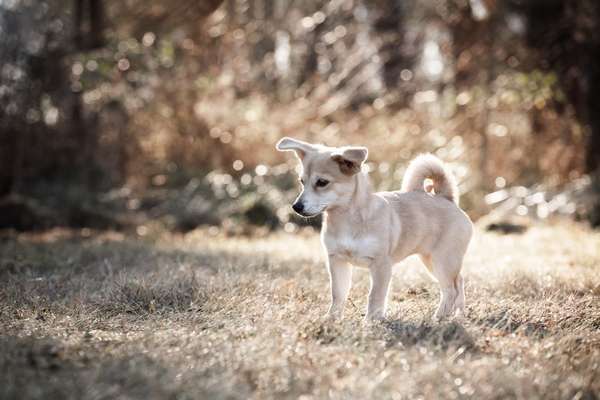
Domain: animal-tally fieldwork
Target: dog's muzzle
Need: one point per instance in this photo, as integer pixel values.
(298, 207)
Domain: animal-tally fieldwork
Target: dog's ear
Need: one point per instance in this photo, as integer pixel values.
(350, 159)
(295, 145)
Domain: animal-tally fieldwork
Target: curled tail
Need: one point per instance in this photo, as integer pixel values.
(428, 166)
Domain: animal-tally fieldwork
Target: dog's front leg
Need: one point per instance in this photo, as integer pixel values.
(340, 279)
(381, 274)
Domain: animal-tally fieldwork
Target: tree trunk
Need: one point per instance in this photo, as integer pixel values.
(96, 24)
(90, 35)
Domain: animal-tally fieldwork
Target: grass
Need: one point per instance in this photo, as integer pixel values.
(102, 315)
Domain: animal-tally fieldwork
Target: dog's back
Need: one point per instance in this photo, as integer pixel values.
(426, 219)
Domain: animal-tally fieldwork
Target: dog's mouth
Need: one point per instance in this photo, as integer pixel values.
(310, 215)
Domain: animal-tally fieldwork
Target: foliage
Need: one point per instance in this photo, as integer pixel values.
(197, 89)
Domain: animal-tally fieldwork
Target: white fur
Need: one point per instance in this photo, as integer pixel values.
(428, 166)
(377, 230)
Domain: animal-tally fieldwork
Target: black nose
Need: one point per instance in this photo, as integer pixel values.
(298, 207)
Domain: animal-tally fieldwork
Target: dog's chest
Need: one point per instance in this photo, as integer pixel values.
(358, 249)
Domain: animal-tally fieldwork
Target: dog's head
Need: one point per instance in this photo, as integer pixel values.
(327, 175)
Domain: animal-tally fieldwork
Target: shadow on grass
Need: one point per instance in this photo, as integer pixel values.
(39, 368)
(443, 335)
(124, 276)
(505, 321)
(77, 255)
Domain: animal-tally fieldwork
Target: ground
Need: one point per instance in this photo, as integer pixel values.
(105, 315)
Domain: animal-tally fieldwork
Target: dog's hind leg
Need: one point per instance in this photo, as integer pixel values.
(459, 303)
(446, 271)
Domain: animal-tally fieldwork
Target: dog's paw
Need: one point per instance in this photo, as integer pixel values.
(440, 316)
(331, 316)
(374, 317)
(444, 311)
(460, 313)
(437, 318)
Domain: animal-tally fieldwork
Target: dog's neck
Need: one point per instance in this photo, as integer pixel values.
(357, 208)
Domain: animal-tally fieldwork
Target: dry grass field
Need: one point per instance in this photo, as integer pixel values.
(104, 316)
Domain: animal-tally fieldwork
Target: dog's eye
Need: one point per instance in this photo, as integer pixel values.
(321, 182)
(302, 181)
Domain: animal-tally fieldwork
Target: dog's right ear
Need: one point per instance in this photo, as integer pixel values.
(350, 158)
(295, 145)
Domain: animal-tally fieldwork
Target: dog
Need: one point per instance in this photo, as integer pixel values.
(376, 230)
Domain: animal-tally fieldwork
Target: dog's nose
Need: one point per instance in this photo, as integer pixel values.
(298, 207)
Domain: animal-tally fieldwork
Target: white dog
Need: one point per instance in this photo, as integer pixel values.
(377, 230)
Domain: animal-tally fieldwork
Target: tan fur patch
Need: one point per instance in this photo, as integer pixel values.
(347, 167)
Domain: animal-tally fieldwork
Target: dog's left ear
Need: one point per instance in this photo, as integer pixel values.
(350, 159)
(295, 145)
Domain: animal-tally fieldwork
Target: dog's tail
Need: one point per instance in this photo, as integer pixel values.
(428, 166)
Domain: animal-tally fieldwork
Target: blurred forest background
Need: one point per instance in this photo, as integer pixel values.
(144, 116)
